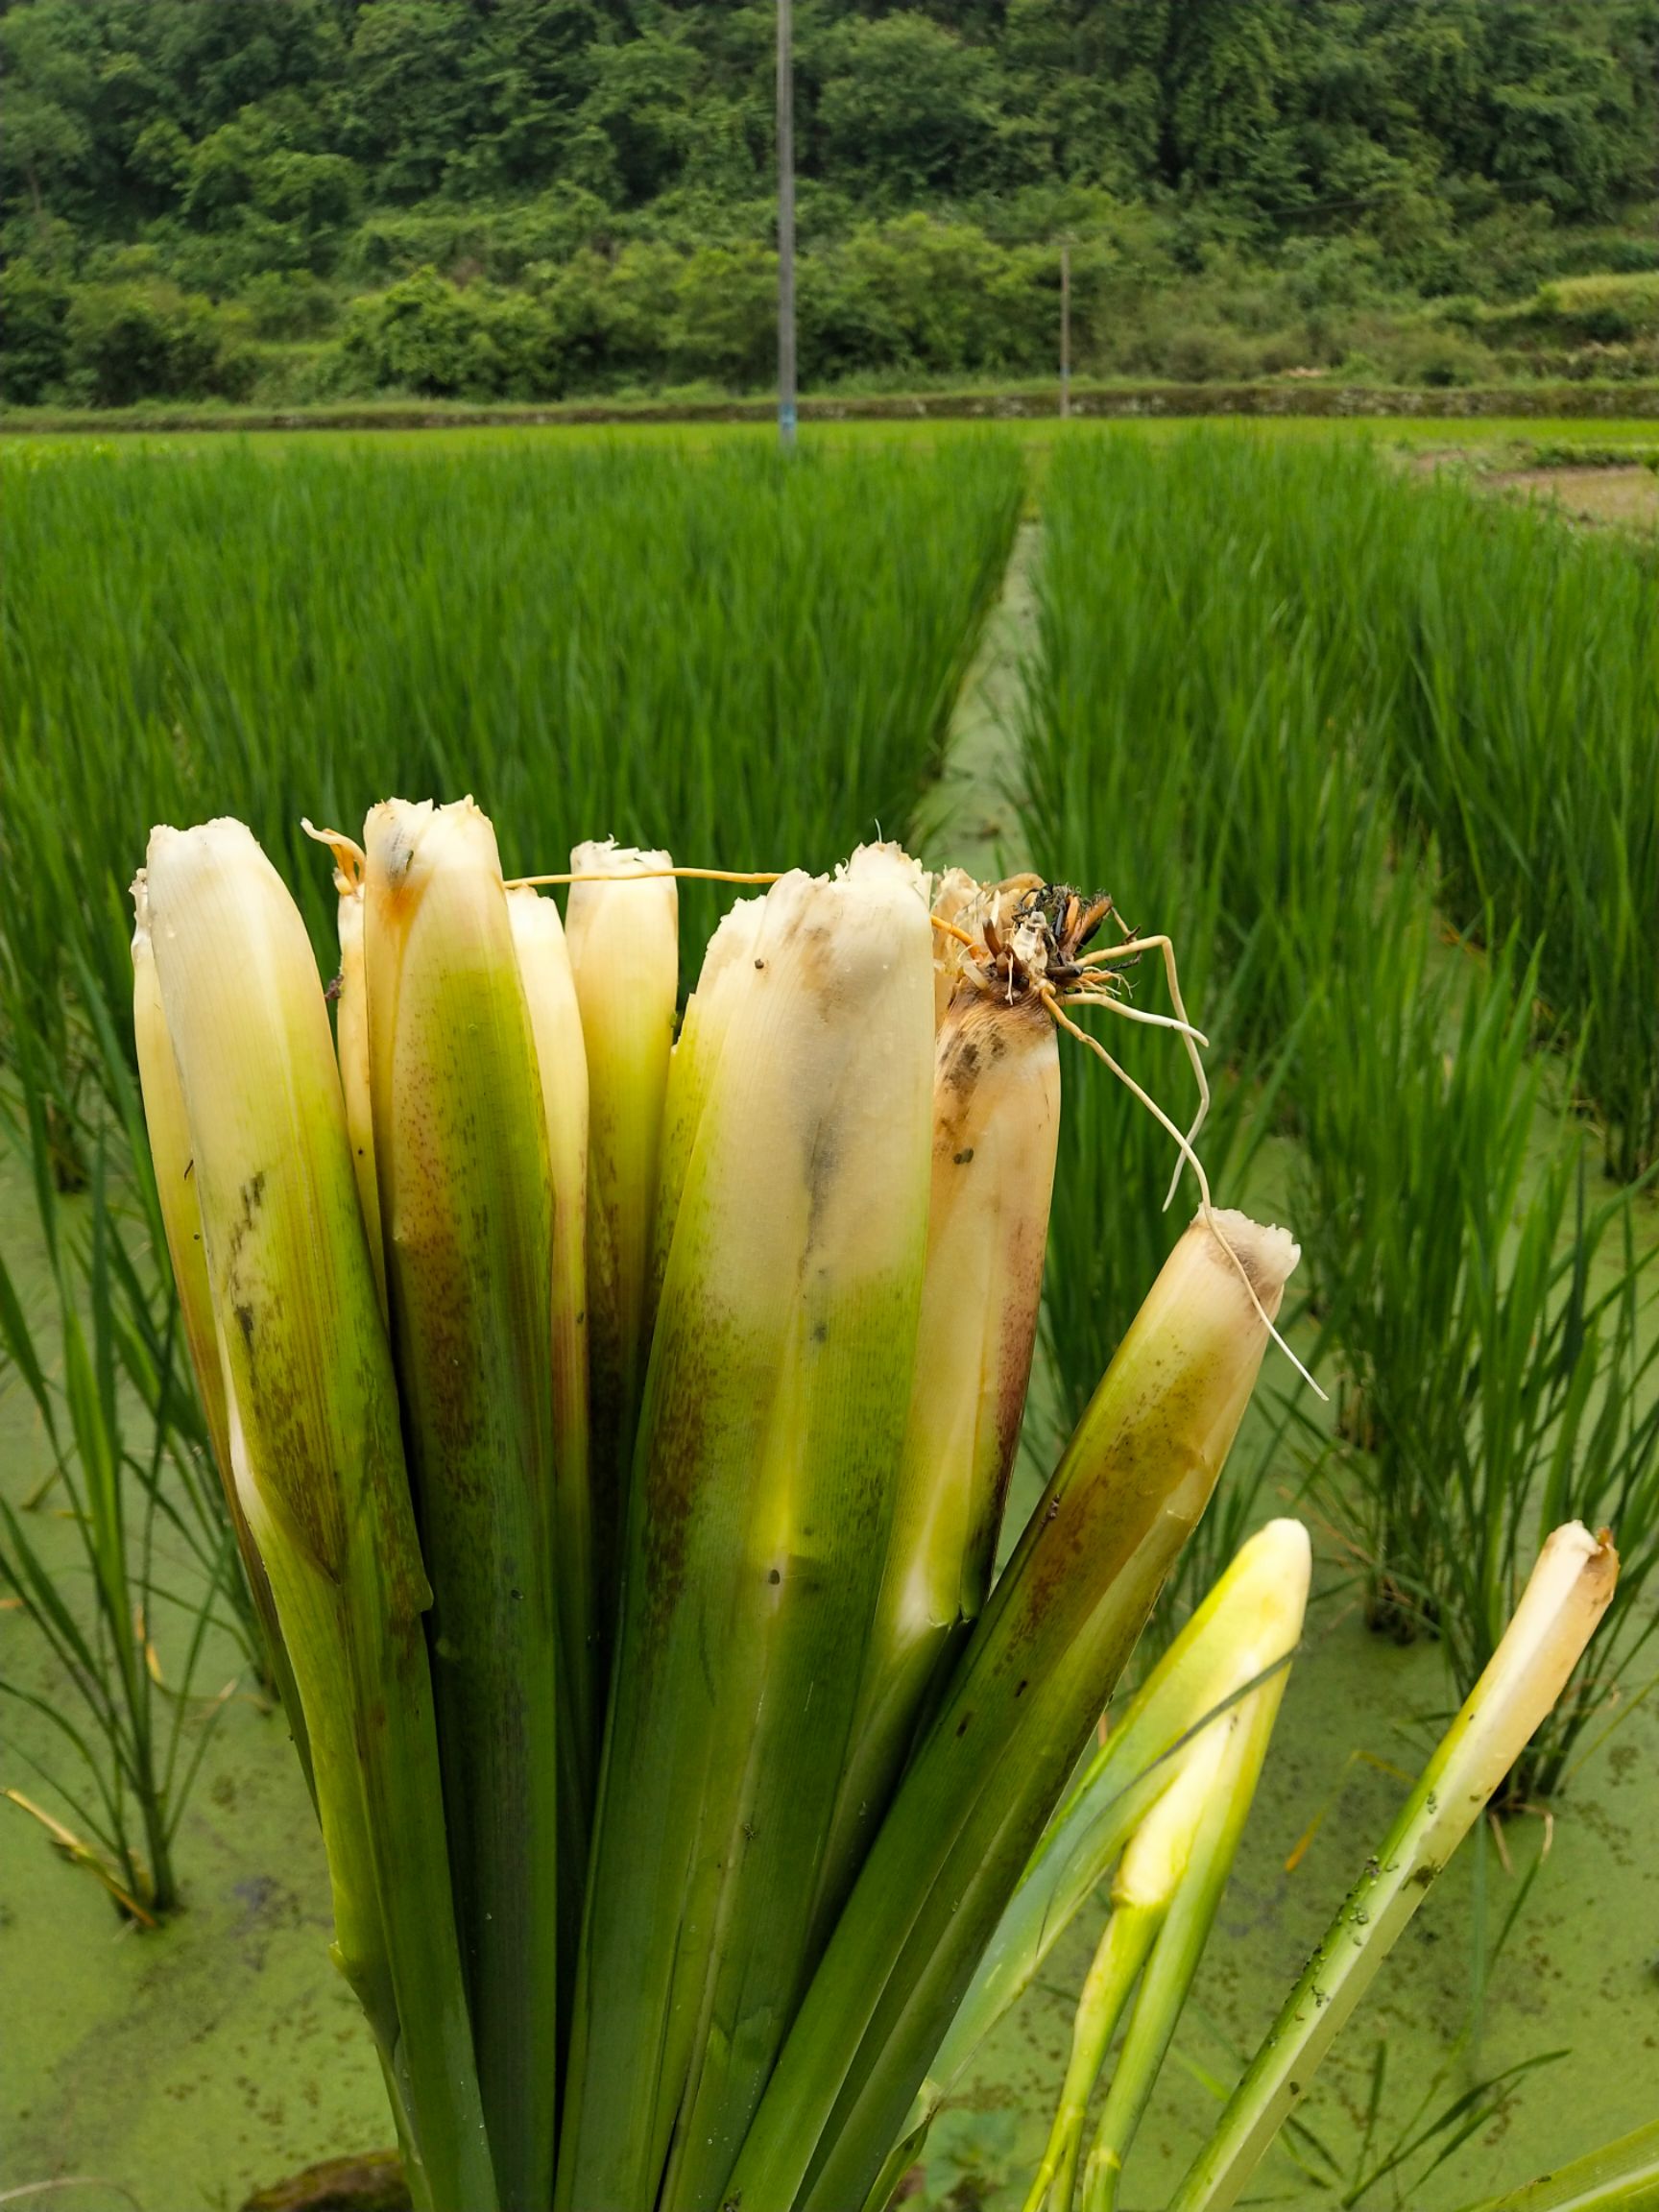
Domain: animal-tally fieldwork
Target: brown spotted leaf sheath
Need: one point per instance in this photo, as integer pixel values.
(996, 1125)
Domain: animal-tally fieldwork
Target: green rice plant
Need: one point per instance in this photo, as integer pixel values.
(759, 657)
(1414, 1174)
(1491, 670)
(145, 1595)
(1527, 741)
(1195, 748)
(1254, 661)
(1562, 1421)
(1492, 1328)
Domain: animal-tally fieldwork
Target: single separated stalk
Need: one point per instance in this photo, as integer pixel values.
(169, 1129)
(1622, 2177)
(1031, 1680)
(1176, 1865)
(1239, 1740)
(995, 1127)
(556, 1025)
(312, 1428)
(623, 939)
(1144, 1889)
(351, 1041)
(466, 1206)
(774, 1415)
(1566, 1596)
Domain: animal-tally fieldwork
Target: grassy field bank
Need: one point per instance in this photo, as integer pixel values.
(1604, 405)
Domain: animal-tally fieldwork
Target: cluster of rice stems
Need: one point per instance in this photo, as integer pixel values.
(1494, 1318)
(753, 657)
(1225, 703)
(121, 1555)
(829, 1746)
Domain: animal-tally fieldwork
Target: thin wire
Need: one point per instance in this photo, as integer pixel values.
(642, 876)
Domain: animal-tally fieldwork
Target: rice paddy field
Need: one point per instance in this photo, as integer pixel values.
(1376, 743)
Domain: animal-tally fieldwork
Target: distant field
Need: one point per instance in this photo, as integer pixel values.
(1487, 435)
(1314, 401)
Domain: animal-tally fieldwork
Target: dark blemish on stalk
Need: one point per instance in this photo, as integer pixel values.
(1295, 2088)
(823, 1165)
(758, 965)
(820, 1331)
(1024, 1686)
(253, 1196)
(961, 1724)
(961, 1159)
(189, 1167)
(775, 1575)
(1424, 1874)
(245, 1322)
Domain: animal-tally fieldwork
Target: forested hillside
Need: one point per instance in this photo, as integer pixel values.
(301, 198)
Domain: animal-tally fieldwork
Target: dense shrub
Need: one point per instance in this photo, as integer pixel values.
(128, 342)
(430, 336)
(34, 343)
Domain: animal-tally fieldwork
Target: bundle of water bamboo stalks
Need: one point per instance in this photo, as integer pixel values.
(617, 1415)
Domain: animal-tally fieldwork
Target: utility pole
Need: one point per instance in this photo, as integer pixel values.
(1065, 327)
(786, 231)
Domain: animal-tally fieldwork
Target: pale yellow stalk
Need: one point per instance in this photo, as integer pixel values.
(466, 1204)
(316, 1452)
(623, 939)
(171, 1158)
(556, 1025)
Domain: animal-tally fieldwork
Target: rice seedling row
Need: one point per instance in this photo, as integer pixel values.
(1226, 722)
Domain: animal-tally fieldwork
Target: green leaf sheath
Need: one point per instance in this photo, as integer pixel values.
(466, 1202)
